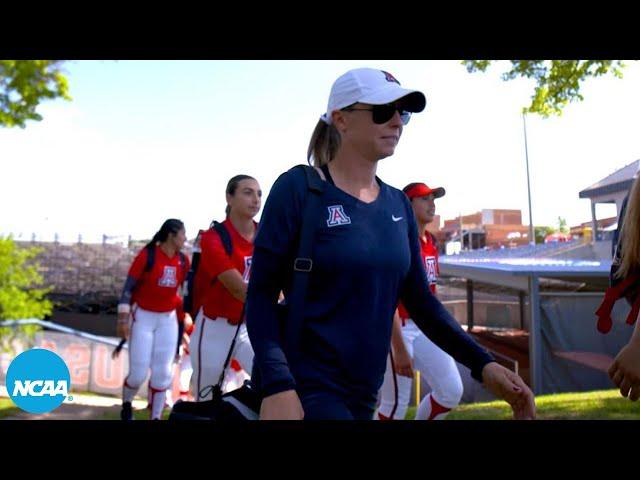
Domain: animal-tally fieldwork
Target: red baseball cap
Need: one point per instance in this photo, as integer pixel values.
(414, 190)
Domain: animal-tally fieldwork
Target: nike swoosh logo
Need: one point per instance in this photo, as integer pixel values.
(395, 219)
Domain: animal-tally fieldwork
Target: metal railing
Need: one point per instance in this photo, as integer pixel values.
(63, 329)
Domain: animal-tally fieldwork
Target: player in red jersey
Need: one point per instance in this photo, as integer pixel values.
(151, 305)
(220, 287)
(411, 348)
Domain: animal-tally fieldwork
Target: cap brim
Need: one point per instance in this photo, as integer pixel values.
(413, 100)
(438, 192)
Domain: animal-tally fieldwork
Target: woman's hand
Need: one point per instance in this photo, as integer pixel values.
(123, 325)
(509, 386)
(403, 363)
(625, 370)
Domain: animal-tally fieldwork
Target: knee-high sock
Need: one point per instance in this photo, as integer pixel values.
(430, 409)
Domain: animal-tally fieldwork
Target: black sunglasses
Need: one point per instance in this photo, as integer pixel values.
(383, 113)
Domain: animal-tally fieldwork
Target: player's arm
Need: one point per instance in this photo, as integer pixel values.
(217, 264)
(124, 304)
(401, 360)
(232, 281)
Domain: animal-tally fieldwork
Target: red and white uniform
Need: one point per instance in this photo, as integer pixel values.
(219, 312)
(436, 367)
(157, 289)
(154, 327)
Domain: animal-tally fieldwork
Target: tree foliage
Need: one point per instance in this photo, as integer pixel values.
(21, 294)
(26, 83)
(558, 82)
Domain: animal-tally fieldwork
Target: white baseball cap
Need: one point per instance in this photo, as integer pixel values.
(371, 86)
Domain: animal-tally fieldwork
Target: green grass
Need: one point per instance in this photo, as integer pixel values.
(137, 414)
(7, 408)
(597, 405)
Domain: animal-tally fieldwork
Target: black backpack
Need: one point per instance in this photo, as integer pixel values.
(187, 288)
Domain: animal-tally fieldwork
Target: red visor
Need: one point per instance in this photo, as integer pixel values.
(421, 190)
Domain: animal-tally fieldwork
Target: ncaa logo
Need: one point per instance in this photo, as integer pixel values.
(38, 381)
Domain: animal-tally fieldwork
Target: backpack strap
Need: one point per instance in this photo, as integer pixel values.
(183, 261)
(224, 236)
(151, 258)
(217, 388)
(303, 262)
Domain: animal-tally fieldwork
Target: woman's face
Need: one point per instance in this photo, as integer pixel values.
(374, 140)
(178, 238)
(247, 199)
(424, 208)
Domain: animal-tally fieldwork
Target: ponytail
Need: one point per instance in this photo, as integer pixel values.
(324, 143)
(171, 225)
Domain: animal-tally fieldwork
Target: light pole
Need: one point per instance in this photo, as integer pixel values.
(532, 238)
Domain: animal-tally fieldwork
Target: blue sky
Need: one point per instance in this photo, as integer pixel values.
(147, 140)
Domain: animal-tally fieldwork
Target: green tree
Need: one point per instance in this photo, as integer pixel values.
(558, 82)
(541, 232)
(20, 296)
(562, 225)
(24, 84)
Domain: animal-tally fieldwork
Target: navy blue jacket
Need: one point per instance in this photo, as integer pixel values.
(366, 257)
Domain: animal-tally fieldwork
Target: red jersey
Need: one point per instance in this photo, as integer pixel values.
(214, 297)
(157, 289)
(430, 256)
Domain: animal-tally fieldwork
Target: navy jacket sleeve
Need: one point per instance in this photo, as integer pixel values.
(432, 317)
(276, 237)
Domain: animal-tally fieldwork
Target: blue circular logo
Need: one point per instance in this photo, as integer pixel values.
(38, 381)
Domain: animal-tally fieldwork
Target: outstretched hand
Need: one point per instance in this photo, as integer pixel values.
(509, 386)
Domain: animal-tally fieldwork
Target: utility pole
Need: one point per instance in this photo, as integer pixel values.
(532, 237)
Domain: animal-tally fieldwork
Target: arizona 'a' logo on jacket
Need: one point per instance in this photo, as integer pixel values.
(337, 216)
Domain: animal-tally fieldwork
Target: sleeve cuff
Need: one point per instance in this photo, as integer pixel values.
(476, 372)
(276, 387)
(124, 308)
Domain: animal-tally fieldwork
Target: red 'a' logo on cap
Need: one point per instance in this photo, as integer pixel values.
(390, 78)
